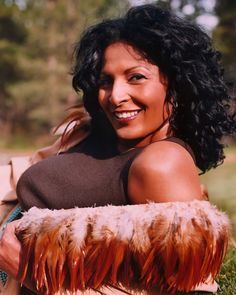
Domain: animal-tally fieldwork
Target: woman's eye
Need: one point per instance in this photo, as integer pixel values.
(136, 77)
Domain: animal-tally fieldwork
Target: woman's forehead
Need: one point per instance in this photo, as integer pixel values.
(125, 55)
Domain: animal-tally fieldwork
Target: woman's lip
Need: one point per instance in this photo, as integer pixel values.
(125, 116)
(126, 111)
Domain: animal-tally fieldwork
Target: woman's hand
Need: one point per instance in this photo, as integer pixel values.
(10, 251)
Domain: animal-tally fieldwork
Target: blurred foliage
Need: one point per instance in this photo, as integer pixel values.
(220, 183)
(225, 35)
(221, 187)
(179, 6)
(36, 45)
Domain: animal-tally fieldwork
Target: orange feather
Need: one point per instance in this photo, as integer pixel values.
(168, 246)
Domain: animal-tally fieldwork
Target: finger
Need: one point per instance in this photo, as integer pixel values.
(3, 230)
(10, 249)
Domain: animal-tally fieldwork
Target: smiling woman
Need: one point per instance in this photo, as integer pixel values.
(132, 94)
(156, 109)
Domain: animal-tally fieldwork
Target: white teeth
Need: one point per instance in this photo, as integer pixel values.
(126, 114)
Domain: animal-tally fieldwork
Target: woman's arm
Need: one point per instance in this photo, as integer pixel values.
(174, 245)
(163, 172)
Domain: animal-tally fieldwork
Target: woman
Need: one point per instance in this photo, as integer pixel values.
(153, 87)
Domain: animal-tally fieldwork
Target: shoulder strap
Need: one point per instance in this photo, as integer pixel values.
(183, 144)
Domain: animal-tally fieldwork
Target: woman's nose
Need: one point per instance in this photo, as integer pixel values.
(119, 93)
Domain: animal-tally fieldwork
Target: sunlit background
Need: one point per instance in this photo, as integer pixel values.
(36, 45)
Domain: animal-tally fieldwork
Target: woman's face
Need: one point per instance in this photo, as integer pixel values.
(132, 94)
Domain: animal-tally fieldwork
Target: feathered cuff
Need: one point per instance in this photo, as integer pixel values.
(170, 246)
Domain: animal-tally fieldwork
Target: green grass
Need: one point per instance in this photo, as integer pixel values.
(221, 184)
(227, 277)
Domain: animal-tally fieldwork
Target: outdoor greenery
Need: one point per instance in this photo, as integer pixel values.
(225, 36)
(36, 45)
(227, 278)
(221, 186)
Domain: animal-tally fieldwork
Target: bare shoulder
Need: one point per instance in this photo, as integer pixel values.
(164, 171)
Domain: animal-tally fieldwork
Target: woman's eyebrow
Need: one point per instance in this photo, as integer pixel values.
(136, 67)
(106, 73)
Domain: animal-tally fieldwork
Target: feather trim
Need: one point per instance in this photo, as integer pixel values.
(170, 246)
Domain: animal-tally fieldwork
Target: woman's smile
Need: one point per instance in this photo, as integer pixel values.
(132, 94)
(126, 115)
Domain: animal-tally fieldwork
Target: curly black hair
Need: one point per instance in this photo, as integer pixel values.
(184, 53)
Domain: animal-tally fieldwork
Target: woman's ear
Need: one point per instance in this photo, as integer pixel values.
(163, 78)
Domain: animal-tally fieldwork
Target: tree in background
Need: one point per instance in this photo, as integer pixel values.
(218, 19)
(40, 89)
(36, 45)
(13, 36)
(225, 36)
(222, 14)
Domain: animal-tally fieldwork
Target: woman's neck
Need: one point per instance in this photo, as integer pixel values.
(160, 134)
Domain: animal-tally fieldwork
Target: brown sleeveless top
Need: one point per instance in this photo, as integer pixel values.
(90, 174)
